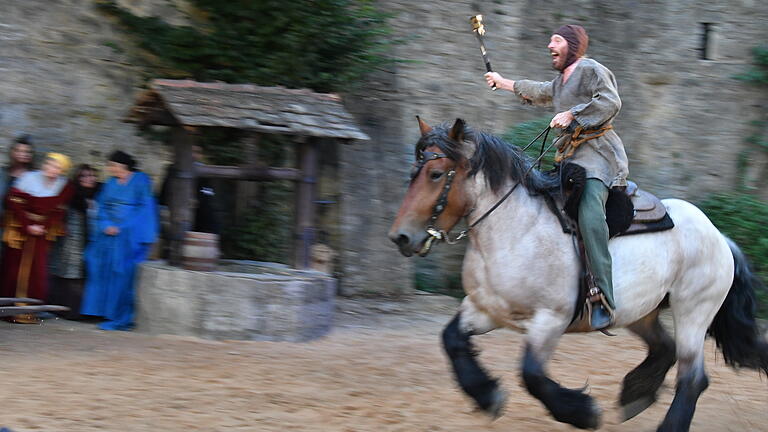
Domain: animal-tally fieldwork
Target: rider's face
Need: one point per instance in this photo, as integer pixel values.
(558, 49)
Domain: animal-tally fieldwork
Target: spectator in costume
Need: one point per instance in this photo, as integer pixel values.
(124, 230)
(35, 208)
(20, 158)
(68, 266)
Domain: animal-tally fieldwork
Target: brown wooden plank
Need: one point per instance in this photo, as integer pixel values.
(247, 173)
(6, 311)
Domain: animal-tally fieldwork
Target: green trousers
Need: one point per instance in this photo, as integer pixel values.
(594, 231)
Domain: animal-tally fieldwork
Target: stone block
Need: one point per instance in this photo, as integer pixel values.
(257, 302)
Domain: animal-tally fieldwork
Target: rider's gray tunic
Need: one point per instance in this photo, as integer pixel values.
(591, 95)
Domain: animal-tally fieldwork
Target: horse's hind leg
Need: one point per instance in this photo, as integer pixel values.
(471, 376)
(566, 405)
(690, 329)
(642, 384)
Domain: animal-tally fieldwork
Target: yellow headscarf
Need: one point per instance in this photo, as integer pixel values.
(62, 159)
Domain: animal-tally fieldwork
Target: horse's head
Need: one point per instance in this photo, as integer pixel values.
(436, 199)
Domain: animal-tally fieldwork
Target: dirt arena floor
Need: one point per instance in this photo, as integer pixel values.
(382, 369)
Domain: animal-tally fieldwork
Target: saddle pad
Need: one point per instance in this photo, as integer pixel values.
(639, 228)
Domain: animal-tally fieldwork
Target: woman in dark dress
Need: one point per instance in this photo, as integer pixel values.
(68, 267)
(20, 157)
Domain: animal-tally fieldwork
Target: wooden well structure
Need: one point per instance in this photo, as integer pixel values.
(305, 116)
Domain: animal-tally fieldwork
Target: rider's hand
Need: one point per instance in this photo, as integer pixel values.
(112, 230)
(495, 78)
(36, 230)
(562, 120)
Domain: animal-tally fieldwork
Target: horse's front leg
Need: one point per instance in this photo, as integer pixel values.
(566, 405)
(471, 376)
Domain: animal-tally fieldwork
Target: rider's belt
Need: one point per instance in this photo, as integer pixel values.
(578, 137)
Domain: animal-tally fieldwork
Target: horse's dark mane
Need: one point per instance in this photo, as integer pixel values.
(497, 159)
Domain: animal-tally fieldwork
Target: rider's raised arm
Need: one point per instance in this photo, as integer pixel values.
(605, 103)
(534, 92)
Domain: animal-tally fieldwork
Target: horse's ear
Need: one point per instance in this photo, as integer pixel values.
(457, 131)
(423, 127)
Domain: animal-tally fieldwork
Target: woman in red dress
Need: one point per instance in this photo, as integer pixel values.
(35, 208)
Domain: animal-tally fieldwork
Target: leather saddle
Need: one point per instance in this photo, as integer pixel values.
(629, 210)
(649, 213)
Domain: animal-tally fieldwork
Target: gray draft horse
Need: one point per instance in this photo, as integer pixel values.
(520, 271)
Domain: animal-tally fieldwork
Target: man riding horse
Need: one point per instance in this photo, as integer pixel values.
(586, 99)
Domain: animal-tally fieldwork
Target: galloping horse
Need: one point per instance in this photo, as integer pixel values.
(521, 271)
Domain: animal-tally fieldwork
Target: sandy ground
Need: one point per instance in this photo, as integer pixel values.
(382, 369)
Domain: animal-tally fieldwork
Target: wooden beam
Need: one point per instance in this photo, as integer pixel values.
(182, 191)
(247, 173)
(306, 191)
(252, 149)
(6, 311)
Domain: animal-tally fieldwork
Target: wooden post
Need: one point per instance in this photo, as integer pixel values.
(306, 189)
(182, 191)
(246, 189)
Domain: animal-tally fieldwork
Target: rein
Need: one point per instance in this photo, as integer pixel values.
(442, 200)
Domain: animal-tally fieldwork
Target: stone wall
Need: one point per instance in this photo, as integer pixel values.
(684, 120)
(243, 300)
(68, 80)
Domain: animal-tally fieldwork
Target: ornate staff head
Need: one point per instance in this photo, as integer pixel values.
(477, 24)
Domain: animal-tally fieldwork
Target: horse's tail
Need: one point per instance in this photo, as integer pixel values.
(734, 328)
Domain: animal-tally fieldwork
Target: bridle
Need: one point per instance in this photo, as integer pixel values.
(442, 199)
(436, 234)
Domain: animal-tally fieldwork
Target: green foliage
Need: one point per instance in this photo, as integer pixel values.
(523, 133)
(222, 146)
(758, 73)
(429, 278)
(327, 45)
(758, 139)
(265, 233)
(742, 217)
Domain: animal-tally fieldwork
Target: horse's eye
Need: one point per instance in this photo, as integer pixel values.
(434, 175)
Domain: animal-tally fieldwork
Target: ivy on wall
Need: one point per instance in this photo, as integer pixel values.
(325, 45)
(756, 75)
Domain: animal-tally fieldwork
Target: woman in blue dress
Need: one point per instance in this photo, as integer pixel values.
(125, 228)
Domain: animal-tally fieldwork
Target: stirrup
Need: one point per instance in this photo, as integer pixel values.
(597, 302)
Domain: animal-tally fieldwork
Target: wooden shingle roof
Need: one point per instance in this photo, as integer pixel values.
(275, 110)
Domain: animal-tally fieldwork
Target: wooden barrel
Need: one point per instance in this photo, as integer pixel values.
(200, 251)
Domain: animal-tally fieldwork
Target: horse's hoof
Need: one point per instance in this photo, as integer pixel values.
(596, 418)
(636, 407)
(498, 402)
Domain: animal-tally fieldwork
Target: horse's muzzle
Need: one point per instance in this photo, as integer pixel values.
(407, 243)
